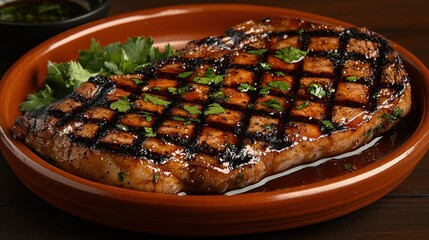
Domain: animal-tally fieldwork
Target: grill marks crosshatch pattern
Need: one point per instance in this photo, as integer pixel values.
(255, 96)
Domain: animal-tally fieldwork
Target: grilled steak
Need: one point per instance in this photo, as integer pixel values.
(228, 110)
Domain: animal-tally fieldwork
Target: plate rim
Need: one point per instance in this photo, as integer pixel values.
(215, 201)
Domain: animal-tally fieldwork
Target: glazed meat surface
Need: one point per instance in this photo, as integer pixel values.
(228, 110)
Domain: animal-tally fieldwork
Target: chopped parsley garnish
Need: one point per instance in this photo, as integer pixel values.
(185, 74)
(136, 80)
(328, 124)
(114, 59)
(273, 103)
(393, 115)
(279, 73)
(265, 90)
(352, 78)
(303, 105)
(219, 96)
(122, 105)
(269, 126)
(376, 94)
(334, 53)
(192, 109)
(210, 77)
(149, 132)
(176, 91)
(38, 100)
(274, 84)
(121, 176)
(301, 31)
(257, 52)
(316, 90)
(155, 177)
(279, 85)
(156, 100)
(147, 116)
(265, 66)
(186, 121)
(157, 89)
(291, 54)
(244, 87)
(214, 108)
(122, 127)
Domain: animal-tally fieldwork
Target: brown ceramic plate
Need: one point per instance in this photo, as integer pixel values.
(307, 196)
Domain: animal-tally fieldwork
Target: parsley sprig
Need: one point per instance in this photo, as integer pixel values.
(291, 54)
(115, 58)
(210, 77)
(121, 105)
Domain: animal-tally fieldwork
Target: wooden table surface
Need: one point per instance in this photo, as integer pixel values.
(402, 214)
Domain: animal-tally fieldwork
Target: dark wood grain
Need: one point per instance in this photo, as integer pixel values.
(402, 214)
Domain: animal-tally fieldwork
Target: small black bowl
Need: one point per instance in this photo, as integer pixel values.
(18, 37)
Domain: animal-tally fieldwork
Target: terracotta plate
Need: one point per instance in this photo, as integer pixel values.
(314, 194)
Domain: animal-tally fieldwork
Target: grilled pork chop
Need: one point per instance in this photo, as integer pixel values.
(229, 110)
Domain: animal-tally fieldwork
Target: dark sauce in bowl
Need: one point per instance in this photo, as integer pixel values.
(40, 11)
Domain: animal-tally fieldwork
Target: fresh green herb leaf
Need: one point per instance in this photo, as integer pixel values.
(268, 126)
(279, 73)
(257, 52)
(147, 115)
(376, 94)
(352, 78)
(244, 87)
(219, 96)
(291, 54)
(192, 109)
(393, 115)
(122, 127)
(209, 80)
(186, 121)
(185, 74)
(115, 58)
(265, 66)
(155, 177)
(122, 58)
(214, 108)
(156, 100)
(122, 175)
(122, 105)
(136, 80)
(334, 53)
(328, 124)
(64, 77)
(157, 89)
(303, 105)
(369, 133)
(279, 85)
(265, 90)
(273, 103)
(149, 132)
(176, 91)
(210, 72)
(203, 80)
(210, 77)
(176, 118)
(301, 31)
(37, 100)
(316, 90)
